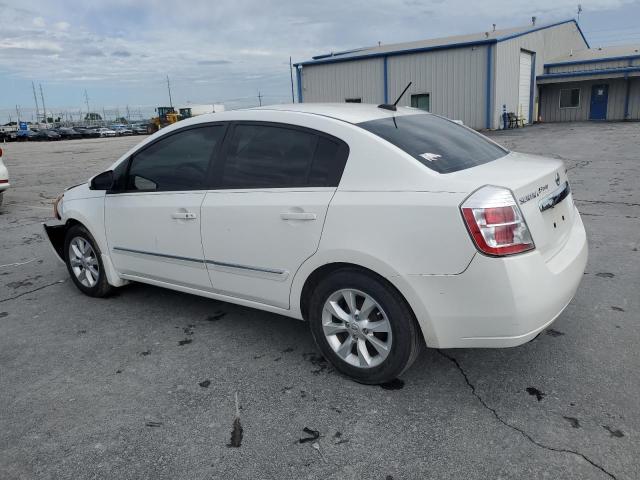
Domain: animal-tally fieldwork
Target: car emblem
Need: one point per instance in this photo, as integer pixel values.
(557, 178)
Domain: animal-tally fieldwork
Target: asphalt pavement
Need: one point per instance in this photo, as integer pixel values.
(144, 384)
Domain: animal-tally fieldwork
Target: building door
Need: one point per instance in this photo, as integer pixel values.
(599, 98)
(524, 86)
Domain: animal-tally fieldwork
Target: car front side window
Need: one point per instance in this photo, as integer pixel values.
(178, 162)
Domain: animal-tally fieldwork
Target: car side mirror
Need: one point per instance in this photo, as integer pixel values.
(103, 181)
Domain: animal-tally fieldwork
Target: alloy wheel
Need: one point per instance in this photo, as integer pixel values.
(357, 328)
(84, 262)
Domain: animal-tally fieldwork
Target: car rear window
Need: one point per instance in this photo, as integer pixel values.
(438, 143)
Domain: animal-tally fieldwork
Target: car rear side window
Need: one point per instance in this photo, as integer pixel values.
(179, 161)
(438, 143)
(274, 156)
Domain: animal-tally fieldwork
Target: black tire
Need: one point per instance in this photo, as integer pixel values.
(407, 339)
(101, 287)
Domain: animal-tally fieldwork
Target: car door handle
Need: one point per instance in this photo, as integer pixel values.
(298, 216)
(184, 216)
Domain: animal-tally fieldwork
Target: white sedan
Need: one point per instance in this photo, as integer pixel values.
(107, 132)
(4, 178)
(385, 229)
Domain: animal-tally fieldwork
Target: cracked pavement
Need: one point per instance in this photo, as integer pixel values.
(93, 388)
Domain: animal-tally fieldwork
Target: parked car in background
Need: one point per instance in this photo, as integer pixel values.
(139, 129)
(69, 133)
(87, 132)
(7, 135)
(385, 228)
(24, 135)
(46, 134)
(122, 130)
(4, 178)
(106, 132)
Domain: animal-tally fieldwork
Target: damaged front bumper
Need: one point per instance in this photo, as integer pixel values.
(55, 233)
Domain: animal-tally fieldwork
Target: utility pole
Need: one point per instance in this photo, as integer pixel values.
(128, 115)
(293, 99)
(169, 88)
(43, 106)
(35, 97)
(579, 12)
(259, 98)
(18, 114)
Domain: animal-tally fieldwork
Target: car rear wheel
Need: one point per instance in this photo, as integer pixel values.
(84, 263)
(363, 326)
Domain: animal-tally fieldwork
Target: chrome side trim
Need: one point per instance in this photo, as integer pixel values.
(161, 255)
(272, 273)
(555, 197)
(246, 267)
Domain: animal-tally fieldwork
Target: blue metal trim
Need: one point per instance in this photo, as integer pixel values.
(489, 85)
(593, 60)
(396, 52)
(532, 87)
(537, 29)
(604, 71)
(581, 33)
(336, 59)
(384, 78)
(299, 80)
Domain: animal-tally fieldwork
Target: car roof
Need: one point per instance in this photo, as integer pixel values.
(347, 112)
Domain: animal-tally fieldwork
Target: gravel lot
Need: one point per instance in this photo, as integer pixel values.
(94, 388)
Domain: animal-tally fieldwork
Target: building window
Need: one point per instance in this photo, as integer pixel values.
(569, 98)
(421, 101)
(353, 100)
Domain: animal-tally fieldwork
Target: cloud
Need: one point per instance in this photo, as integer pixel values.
(246, 43)
(213, 62)
(92, 52)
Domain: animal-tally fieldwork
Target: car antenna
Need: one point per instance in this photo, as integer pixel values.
(392, 107)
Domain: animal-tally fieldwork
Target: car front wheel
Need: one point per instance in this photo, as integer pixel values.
(84, 263)
(363, 326)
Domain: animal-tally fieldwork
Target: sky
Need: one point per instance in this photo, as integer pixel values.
(221, 51)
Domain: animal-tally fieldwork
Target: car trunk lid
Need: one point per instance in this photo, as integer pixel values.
(541, 190)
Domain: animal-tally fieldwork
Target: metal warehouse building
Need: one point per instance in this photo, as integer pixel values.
(595, 84)
(471, 77)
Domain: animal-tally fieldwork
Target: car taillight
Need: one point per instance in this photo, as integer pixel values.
(495, 222)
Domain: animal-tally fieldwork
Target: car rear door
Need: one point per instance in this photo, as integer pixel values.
(152, 218)
(264, 214)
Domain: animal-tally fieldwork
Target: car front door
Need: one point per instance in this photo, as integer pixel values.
(152, 218)
(264, 214)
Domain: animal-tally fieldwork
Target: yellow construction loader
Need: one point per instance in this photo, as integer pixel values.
(166, 116)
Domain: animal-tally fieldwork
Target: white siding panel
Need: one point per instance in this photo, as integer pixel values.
(547, 43)
(334, 82)
(455, 80)
(524, 88)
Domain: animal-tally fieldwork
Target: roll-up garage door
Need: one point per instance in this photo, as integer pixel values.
(524, 90)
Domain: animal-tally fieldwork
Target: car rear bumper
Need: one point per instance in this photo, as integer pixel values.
(501, 302)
